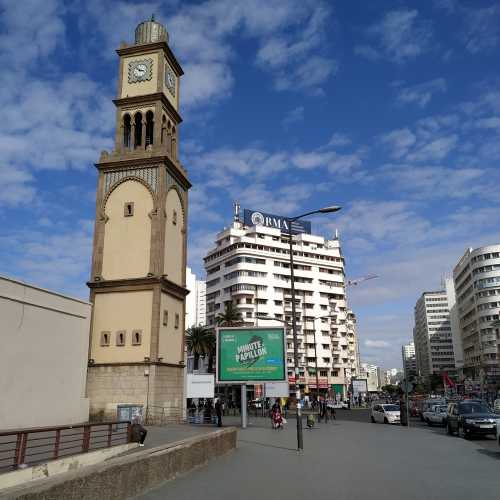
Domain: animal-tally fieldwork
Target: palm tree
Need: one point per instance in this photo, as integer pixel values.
(200, 341)
(230, 317)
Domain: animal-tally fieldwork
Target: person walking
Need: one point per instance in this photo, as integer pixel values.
(218, 412)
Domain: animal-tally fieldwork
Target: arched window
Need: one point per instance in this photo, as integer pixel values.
(163, 128)
(174, 144)
(149, 128)
(127, 130)
(138, 129)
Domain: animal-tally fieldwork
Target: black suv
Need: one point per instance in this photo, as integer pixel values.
(467, 418)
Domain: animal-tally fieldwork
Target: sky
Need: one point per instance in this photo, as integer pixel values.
(390, 109)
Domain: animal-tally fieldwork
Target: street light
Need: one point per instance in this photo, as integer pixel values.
(324, 210)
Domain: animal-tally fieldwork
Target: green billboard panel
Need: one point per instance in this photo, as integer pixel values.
(250, 355)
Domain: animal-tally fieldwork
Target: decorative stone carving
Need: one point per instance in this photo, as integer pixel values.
(147, 174)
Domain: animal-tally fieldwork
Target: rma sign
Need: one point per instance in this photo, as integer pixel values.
(254, 218)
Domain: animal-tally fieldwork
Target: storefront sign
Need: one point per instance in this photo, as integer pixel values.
(277, 390)
(254, 218)
(246, 355)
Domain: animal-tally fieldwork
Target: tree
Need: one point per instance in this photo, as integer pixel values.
(200, 341)
(391, 389)
(230, 317)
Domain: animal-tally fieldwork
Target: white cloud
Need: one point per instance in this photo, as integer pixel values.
(17, 186)
(422, 93)
(295, 115)
(400, 141)
(377, 344)
(435, 150)
(339, 140)
(435, 182)
(482, 28)
(32, 30)
(56, 260)
(401, 35)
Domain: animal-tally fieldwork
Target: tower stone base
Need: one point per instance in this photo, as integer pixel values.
(157, 388)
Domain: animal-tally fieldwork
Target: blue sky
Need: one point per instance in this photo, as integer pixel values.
(389, 108)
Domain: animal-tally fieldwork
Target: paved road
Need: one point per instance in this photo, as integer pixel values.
(349, 459)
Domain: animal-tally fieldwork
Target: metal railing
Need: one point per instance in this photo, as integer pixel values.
(27, 447)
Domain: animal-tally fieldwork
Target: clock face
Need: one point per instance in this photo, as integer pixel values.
(170, 80)
(139, 71)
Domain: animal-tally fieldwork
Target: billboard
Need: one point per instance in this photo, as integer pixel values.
(247, 355)
(359, 386)
(255, 218)
(200, 385)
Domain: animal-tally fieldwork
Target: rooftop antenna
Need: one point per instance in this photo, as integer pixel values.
(236, 206)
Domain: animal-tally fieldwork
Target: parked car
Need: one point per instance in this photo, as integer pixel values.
(470, 417)
(385, 413)
(436, 415)
(427, 404)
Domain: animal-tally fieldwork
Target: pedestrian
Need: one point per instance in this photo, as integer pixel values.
(218, 412)
(138, 432)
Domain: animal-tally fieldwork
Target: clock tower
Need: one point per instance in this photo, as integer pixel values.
(137, 285)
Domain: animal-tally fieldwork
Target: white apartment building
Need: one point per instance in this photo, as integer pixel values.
(370, 372)
(477, 286)
(432, 334)
(195, 301)
(249, 266)
(409, 360)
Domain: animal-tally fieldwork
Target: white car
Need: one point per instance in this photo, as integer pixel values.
(385, 414)
(436, 415)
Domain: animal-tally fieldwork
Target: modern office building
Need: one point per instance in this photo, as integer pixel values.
(477, 287)
(432, 334)
(195, 301)
(249, 266)
(409, 360)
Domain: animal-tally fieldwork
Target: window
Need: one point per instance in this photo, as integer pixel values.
(136, 337)
(165, 317)
(105, 338)
(177, 320)
(128, 209)
(248, 314)
(174, 218)
(323, 373)
(120, 338)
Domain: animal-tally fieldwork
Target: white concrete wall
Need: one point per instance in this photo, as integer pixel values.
(43, 357)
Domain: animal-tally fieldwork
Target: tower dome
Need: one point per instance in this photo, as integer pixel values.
(150, 32)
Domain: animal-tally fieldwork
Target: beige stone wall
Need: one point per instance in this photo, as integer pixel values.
(121, 311)
(166, 394)
(139, 88)
(174, 238)
(171, 338)
(110, 386)
(127, 240)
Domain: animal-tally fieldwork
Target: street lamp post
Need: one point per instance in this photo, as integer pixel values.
(290, 221)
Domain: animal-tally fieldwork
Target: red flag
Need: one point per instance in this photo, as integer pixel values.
(447, 380)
